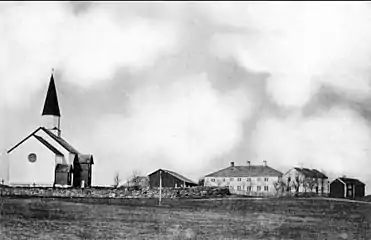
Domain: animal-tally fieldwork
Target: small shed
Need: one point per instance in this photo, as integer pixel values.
(169, 179)
(347, 188)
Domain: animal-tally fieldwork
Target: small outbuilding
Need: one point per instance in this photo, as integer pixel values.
(347, 188)
(169, 179)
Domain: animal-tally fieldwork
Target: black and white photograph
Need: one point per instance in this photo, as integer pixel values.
(185, 120)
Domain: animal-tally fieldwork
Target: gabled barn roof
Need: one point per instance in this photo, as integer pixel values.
(177, 175)
(351, 181)
(246, 171)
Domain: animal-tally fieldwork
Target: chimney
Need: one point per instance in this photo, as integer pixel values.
(265, 163)
(248, 163)
(232, 164)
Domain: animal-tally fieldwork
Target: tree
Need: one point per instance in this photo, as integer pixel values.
(201, 182)
(116, 180)
(133, 177)
(279, 186)
(312, 183)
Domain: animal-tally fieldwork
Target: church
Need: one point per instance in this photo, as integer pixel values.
(44, 158)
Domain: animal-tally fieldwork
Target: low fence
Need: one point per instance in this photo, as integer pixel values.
(195, 192)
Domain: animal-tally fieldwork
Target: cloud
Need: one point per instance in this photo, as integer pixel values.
(180, 126)
(302, 46)
(88, 47)
(336, 141)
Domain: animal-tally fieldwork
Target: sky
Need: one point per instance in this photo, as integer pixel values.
(193, 86)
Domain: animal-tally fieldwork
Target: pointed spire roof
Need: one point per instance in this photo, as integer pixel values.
(51, 106)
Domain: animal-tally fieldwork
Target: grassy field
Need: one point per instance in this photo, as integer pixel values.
(183, 219)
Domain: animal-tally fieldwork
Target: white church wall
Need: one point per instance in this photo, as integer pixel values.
(24, 172)
(4, 166)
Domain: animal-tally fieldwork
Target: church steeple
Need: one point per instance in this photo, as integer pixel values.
(51, 106)
(51, 113)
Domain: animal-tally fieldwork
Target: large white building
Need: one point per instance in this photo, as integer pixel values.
(245, 180)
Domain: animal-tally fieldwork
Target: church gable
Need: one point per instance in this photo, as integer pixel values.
(44, 139)
(32, 163)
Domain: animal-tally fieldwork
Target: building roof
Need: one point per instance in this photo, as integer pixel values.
(48, 145)
(312, 173)
(83, 158)
(177, 175)
(351, 181)
(51, 106)
(61, 141)
(246, 171)
(63, 168)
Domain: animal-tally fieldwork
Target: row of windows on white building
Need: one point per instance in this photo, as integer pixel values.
(239, 179)
(249, 188)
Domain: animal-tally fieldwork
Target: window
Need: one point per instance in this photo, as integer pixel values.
(249, 188)
(231, 179)
(266, 179)
(231, 187)
(213, 179)
(349, 186)
(258, 188)
(265, 188)
(32, 157)
(223, 179)
(248, 179)
(239, 188)
(239, 179)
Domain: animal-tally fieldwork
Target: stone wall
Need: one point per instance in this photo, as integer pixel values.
(196, 192)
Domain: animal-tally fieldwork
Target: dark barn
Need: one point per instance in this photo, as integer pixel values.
(63, 174)
(169, 179)
(347, 188)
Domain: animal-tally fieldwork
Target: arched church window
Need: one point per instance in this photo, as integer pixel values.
(32, 157)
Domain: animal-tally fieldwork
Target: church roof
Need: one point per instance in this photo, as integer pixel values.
(51, 106)
(48, 145)
(61, 141)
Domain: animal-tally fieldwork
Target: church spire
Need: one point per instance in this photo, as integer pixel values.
(51, 114)
(51, 106)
